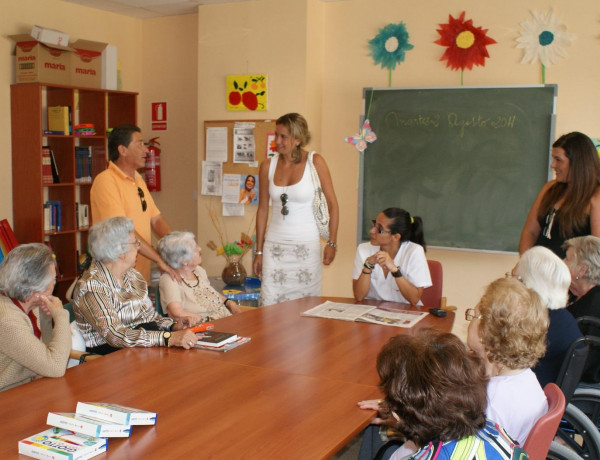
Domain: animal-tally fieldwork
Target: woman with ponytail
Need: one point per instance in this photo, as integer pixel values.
(392, 266)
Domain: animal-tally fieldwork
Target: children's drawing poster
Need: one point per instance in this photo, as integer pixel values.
(246, 92)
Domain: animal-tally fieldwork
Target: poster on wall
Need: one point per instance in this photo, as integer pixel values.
(243, 142)
(246, 92)
(159, 116)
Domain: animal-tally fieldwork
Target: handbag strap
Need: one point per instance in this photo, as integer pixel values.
(313, 171)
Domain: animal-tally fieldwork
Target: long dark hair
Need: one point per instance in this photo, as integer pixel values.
(411, 228)
(584, 179)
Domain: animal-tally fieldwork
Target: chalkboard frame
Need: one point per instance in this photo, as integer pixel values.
(552, 88)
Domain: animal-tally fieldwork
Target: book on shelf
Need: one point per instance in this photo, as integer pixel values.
(55, 177)
(83, 164)
(52, 216)
(57, 443)
(82, 212)
(46, 166)
(59, 119)
(88, 425)
(116, 413)
(215, 339)
(387, 313)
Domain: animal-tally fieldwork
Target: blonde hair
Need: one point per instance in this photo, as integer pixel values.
(297, 126)
(513, 324)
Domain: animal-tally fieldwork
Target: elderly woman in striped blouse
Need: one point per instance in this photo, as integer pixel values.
(111, 302)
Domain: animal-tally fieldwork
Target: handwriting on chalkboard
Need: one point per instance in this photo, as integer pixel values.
(479, 121)
(394, 120)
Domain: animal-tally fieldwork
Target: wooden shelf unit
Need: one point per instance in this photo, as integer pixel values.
(29, 104)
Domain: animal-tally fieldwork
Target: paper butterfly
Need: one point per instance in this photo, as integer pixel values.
(360, 140)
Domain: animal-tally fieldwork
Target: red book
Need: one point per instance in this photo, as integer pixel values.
(7, 234)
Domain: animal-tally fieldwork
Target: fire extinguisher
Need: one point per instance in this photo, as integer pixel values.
(153, 165)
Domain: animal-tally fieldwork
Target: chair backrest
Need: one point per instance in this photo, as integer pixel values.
(572, 367)
(432, 296)
(590, 326)
(541, 435)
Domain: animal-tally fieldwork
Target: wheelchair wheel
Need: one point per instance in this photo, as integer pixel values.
(560, 452)
(579, 433)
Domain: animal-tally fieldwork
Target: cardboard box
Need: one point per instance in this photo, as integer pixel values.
(40, 62)
(109, 67)
(50, 36)
(86, 63)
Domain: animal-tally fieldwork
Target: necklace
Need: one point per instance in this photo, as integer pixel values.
(186, 283)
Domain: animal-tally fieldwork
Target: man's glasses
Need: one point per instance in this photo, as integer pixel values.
(142, 199)
(284, 209)
(379, 229)
(470, 314)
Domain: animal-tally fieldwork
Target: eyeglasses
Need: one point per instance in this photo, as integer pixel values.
(284, 199)
(379, 229)
(470, 314)
(137, 243)
(508, 275)
(142, 199)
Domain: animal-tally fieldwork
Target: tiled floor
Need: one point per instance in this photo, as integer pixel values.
(350, 452)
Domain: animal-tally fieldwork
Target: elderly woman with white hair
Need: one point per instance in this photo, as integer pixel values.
(583, 260)
(111, 302)
(27, 278)
(194, 297)
(543, 271)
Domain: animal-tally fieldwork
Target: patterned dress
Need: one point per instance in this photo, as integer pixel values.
(292, 249)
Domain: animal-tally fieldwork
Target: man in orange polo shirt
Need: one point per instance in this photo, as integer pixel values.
(120, 190)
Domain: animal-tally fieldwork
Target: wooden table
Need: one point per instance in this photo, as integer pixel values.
(289, 393)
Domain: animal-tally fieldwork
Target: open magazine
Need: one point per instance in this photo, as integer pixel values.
(386, 315)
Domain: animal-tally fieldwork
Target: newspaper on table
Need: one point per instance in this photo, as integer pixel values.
(387, 315)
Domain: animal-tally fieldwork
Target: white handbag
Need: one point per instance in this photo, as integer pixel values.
(320, 210)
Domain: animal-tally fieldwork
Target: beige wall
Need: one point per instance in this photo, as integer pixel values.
(169, 65)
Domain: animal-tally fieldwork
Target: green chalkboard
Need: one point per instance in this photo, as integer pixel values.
(469, 161)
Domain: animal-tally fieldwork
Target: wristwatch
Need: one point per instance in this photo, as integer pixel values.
(166, 337)
(397, 273)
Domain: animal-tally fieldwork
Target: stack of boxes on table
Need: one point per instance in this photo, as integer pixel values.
(83, 434)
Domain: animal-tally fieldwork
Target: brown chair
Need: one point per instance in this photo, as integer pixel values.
(541, 435)
(432, 296)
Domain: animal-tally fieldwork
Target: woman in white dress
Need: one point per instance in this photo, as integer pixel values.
(288, 252)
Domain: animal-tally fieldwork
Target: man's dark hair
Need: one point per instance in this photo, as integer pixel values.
(120, 135)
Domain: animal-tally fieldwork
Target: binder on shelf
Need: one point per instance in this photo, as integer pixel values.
(83, 164)
(59, 119)
(82, 212)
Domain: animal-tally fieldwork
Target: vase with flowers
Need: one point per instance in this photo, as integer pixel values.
(234, 273)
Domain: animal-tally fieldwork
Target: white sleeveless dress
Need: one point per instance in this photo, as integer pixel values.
(292, 250)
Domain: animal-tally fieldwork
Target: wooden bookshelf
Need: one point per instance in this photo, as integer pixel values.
(29, 104)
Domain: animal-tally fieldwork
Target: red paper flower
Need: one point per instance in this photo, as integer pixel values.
(466, 43)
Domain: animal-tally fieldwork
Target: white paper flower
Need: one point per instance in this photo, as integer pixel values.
(544, 38)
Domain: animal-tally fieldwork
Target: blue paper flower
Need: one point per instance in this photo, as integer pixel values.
(389, 46)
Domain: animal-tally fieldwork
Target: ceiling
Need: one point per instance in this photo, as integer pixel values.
(149, 8)
(153, 8)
